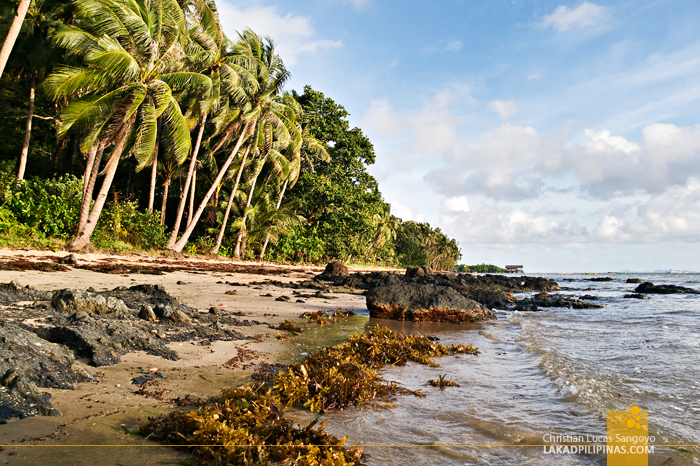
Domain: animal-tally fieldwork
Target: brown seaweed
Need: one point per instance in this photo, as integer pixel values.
(323, 317)
(443, 382)
(246, 425)
(288, 326)
(346, 374)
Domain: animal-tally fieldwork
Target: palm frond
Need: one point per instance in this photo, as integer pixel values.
(176, 135)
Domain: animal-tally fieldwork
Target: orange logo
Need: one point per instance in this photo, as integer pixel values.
(628, 437)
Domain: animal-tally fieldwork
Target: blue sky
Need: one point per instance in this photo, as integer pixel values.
(564, 136)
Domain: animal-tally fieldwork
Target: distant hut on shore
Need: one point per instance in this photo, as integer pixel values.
(514, 269)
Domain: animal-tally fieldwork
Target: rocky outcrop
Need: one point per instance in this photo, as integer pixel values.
(335, 272)
(601, 279)
(146, 313)
(634, 280)
(336, 268)
(546, 300)
(493, 291)
(14, 292)
(648, 287)
(152, 295)
(73, 301)
(102, 340)
(70, 259)
(526, 307)
(180, 317)
(28, 363)
(415, 272)
(636, 296)
(43, 333)
(399, 300)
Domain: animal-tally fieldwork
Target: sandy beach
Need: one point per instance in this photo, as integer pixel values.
(93, 413)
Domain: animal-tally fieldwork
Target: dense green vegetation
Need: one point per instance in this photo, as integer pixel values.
(137, 124)
(479, 268)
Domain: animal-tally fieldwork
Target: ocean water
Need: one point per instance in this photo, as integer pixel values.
(554, 372)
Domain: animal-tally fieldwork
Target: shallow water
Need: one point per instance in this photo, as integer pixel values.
(554, 372)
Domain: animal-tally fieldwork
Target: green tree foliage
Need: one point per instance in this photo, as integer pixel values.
(50, 207)
(418, 244)
(339, 199)
(116, 86)
(479, 268)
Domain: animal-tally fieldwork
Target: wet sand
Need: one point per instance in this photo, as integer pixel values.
(93, 413)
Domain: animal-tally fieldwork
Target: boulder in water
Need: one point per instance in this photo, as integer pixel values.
(399, 300)
(648, 287)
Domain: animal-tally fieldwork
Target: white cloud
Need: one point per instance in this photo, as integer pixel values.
(495, 224)
(405, 212)
(358, 4)
(435, 128)
(449, 46)
(456, 204)
(455, 45)
(533, 76)
(671, 216)
(666, 156)
(515, 162)
(381, 117)
(622, 190)
(504, 108)
(508, 163)
(586, 15)
(293, 35)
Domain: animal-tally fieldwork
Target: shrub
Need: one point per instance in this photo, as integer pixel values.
(50, 206)
(298, 246)
(121, 221)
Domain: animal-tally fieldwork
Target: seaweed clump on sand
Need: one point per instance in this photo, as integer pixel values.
(346, 374)
(288, 326)
(246, 425)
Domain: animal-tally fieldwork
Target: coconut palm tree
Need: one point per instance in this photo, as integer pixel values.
(33, 58)
(12, 34)
(386, 225)
(264, 220)
(262, 75)
(121, 89)
(290, 168)
(208, 54)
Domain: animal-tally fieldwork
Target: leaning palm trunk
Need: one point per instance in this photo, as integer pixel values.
(237, 253)
(279, 202)
(188, 181)
(177, 247)
(88, 166)
(154, 171)
(220, 238)
(166, 186)
(27, 131)
(89, 186)
(13, 33)
(194, 187)
(82, 238)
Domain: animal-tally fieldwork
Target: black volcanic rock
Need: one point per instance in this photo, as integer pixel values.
(648, 287)
(28, 363)
(399, 300)
(545, 300)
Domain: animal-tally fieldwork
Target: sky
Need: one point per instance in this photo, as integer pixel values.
(562, 136)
